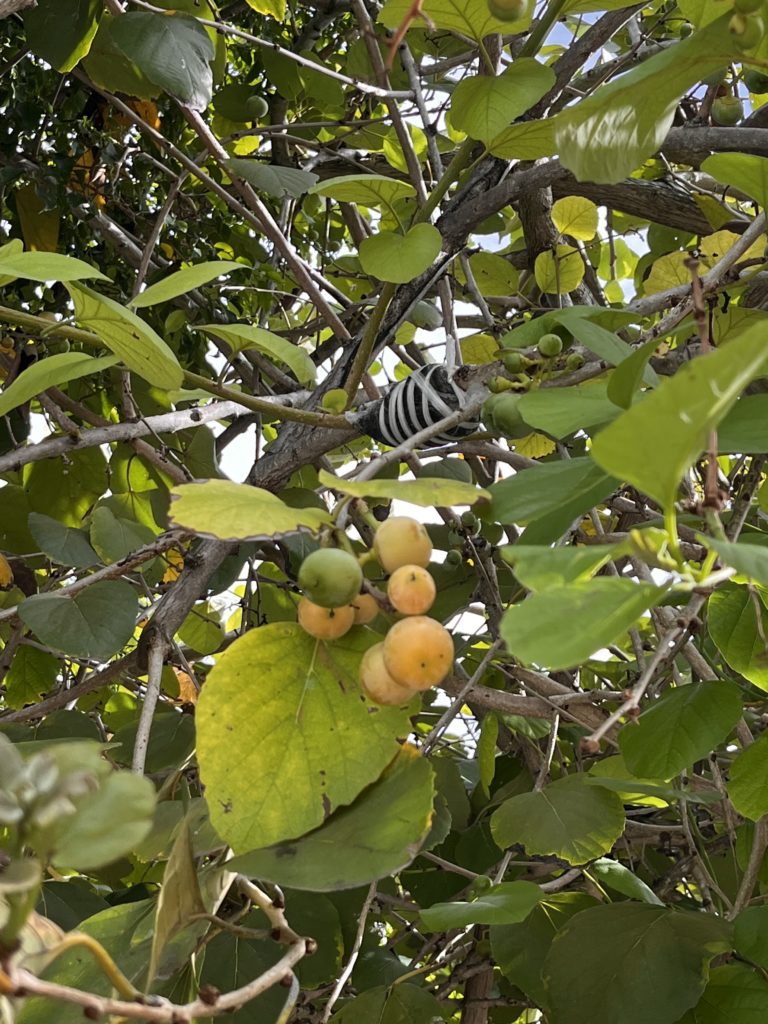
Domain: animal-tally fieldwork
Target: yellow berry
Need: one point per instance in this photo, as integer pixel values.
(402, 541)
(377, 684)
(411, 590)
(325, 623)
(366, 608)
(418, 652)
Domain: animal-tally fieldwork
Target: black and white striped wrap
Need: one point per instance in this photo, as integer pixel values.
(425, 397)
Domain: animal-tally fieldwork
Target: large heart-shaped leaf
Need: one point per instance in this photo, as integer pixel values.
(399, 258)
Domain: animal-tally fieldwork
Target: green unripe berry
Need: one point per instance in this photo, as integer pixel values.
(493, 532)
(686, 29)
(330, 577)
(755, 81)
(481, 884)
(550, 345)
(747, 6)
(334, 400)
(727, 111)
(453, 558)
(469, 521)
(514, 362)
(455, 539)
(747, 30)
(575, 361)
(426, 316)
(509, 10)
(256, 106)
(501, 414)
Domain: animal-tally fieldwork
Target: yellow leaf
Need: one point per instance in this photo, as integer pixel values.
(575, 216)
(667, 272)
(6, 573)
(478, 348)
(535, 446)
(559, 272)
(39, 227)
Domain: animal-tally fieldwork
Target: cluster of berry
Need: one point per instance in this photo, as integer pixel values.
(417, 652)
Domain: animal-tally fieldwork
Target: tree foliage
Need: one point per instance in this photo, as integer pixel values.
(232, 238)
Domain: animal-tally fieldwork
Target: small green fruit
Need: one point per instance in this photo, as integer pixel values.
(453, 558)
(727, 111)
(426, 316)
(330, 577)
(256, 106)
(470, 521)
(686, 29)
(334, 400)
(747, 6)
(493, 532)
(755, 81)
(514, 362)
(747, 30)
(509, 10)
(550, 345)
(501, 414)
(575, 361)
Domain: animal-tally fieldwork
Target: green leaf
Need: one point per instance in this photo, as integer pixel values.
(377, 835)
(130, 338)
(61, 31)
(527, 140)
(314, 745)
(742, 171)
(388, 256)
(179, 897)
(230, 511)
(652, 444)
(109, 67)
(750, 935)
(66, 491)
(125, 932)
(629, 963)
(47, 266)
(569, 488)
(108, 823)
(493, 276)
(426, 491)
(629, 374)
(732, 621)
(469, 18)
(680, 728)
(749, 560)
(575, 216)
(271, 178)
(483, 105)
(507, 903)
(619, 878)
(745, 428)
(173, 50)
(364, 189)
(184, 281)
(272, 8)
(392, 1004)
(520, 949)
(563, 411)
(32, 673)
(559, 271)
(241, 337)
(748, 783)
(606, 136)
(735, 994)
(557, 629)
(566, 819)
(541, 568)
(77, 625)
(50, 372)
(62, 544)
(486, 750)
(202, 630)
(113, 538)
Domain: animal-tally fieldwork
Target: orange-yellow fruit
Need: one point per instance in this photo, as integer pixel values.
(402, 541)
(418, 652)
(366, 608)
(411, 590)
(325, 623)
(378, 685)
